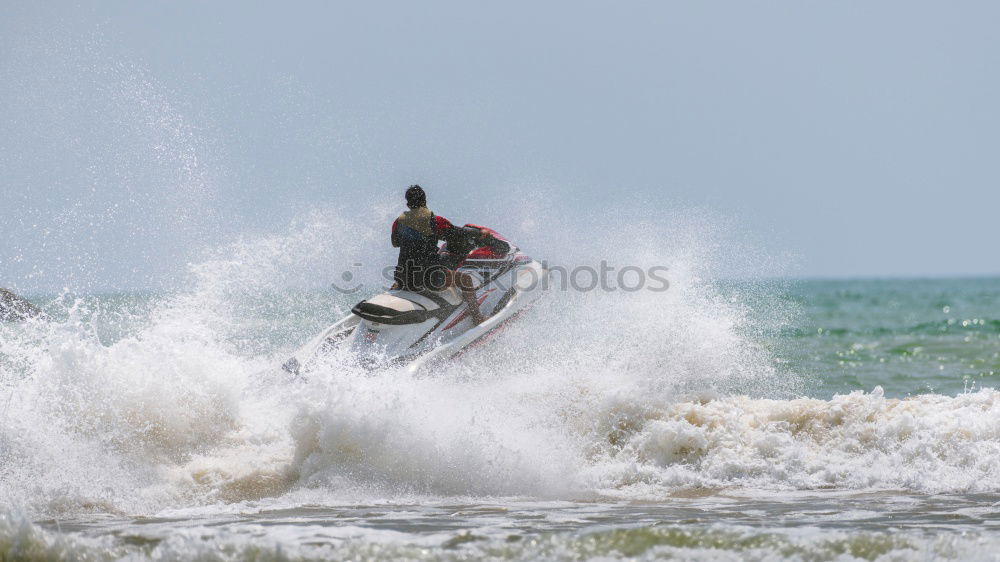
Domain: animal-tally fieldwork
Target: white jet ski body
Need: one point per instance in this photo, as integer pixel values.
(417, 328)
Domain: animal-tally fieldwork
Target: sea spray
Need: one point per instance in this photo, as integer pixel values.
(173, 406)
(183, 404)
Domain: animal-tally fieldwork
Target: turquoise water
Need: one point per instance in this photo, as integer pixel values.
(805, 420)
(907, 336)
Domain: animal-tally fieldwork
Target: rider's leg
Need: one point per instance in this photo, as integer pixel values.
(467, 287)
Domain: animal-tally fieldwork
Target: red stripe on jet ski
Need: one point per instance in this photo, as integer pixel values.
(465, 312)
(488, 335)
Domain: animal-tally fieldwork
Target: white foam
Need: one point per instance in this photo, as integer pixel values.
(625, 394)
(862, 440)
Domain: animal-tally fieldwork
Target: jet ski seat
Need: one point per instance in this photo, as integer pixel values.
(386, 315)
(405, 307)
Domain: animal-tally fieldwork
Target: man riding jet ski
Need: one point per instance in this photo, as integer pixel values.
(416, 233)
(444, 300)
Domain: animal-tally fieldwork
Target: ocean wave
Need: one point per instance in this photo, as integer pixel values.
(621, 395)
(927, 443)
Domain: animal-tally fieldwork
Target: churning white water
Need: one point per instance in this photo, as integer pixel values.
(172, 407)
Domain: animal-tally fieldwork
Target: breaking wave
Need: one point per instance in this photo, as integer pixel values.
(136, 405)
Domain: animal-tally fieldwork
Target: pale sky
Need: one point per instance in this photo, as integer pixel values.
(860, 137)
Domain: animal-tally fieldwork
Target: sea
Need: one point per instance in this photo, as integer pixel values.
(721, 419)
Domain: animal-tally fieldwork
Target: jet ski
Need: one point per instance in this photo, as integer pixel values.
(417, 328)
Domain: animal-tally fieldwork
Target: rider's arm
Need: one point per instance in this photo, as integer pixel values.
(395, 239)
(442, 227)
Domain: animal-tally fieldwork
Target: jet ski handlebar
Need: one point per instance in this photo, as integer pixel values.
(472, 231)
(470, 237)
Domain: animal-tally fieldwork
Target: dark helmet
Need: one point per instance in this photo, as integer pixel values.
(415, 197)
